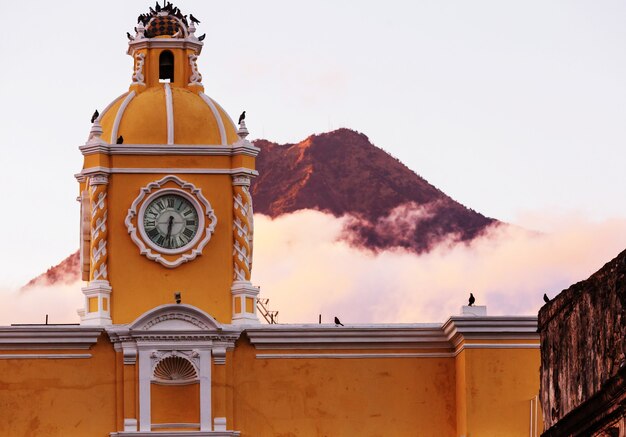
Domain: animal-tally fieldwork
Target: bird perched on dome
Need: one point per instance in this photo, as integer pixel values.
(201, 37)
(95, 116)
(242, 117)
(128, 35)
(337, 322)
(120, 140)
(193, 19)
(546, 299)
(472, 299)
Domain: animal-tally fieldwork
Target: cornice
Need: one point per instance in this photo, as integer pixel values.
(247, 149)
(459, 328)
(169, 170)
(349, 337)
(165, 43)
(40, 337)
(448, 337)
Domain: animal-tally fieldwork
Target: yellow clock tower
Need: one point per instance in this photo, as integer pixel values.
(169, 342)
(164, 188)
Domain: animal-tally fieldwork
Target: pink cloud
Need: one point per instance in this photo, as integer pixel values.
(305, 269)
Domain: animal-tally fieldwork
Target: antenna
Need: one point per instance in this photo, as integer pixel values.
(268, 315)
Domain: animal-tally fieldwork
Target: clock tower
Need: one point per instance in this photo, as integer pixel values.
(166, 210)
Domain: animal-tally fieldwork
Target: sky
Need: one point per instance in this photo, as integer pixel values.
(515, 109)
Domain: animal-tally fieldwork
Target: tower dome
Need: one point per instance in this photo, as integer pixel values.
(166, 103)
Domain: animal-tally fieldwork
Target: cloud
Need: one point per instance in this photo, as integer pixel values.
(304, 267)
(59, 301)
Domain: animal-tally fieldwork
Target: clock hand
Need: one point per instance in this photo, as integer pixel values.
(169, 226)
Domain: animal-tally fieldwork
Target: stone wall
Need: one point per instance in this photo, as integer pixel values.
(583, 345)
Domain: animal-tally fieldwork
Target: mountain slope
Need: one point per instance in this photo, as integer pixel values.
(341, 172)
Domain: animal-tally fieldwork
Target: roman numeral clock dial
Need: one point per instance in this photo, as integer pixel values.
(170, 221)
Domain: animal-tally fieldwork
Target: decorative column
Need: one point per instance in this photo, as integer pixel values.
(245, 295)
(98, 292)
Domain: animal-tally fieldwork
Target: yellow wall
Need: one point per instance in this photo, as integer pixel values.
(496, 393)
(59, 397)
(343, 397)
(140, 284)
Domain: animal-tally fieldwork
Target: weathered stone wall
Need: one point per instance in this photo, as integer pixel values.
(583, 340)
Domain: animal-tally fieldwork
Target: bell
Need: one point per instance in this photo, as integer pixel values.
(166, 66)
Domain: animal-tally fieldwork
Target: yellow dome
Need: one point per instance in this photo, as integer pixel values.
(165, 114)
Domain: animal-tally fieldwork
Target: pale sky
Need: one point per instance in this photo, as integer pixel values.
(515, 109)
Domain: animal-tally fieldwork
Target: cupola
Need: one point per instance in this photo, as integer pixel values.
(166, 103)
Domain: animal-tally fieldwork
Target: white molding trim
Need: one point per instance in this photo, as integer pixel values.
(118, 116)
(163, 149)
(169, 111)
(134, 170)
(461, 348)
(165, 43)
(48, 337)
(44, 356)
(176, 434)
(218, 119)
(356, 355)
(449, 337)
(227, 116)
(121, 96)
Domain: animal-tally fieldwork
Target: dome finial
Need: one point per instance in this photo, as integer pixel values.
(95, 134)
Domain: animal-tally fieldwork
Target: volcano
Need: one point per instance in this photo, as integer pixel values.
(387, 205)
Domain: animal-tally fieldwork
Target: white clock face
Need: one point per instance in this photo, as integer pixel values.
(170, 221)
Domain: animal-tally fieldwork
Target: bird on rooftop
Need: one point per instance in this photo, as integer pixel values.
(128, 35)
(177, 297)
(242, 117)
(95, 116)
(193, 19)
(337, 322)
(157, 7)
(120, 140)
(472, 299)
(201, 37)
(546, 299)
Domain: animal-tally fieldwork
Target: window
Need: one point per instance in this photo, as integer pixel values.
(166, 66)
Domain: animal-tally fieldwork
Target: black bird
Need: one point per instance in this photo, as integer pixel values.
(472, 299)
(337, 322)
(157, 7)
(120, 140)
(546, 299)
(193, 19)
(242, 117)
(177, 297)
(95, 115)
(128, 35)
(201, 37)
(152, 11)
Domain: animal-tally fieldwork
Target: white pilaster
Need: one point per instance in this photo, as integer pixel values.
(205, 390)
(145, 376)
